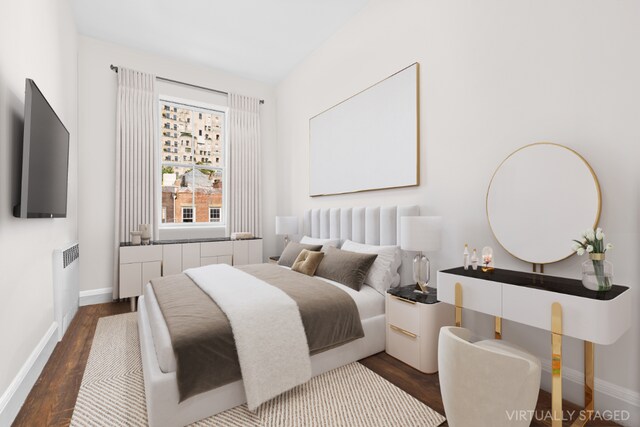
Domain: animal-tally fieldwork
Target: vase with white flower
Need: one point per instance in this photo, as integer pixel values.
(597, 272)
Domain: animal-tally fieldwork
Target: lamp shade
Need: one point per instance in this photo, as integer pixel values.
(420, 233)
(286, 225)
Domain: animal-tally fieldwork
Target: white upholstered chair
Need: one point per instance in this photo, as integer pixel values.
(486, 383)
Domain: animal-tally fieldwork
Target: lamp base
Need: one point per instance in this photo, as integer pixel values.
(421, 272)
(421, 288)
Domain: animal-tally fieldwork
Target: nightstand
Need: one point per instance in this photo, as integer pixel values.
(413, 325)
(273, 259)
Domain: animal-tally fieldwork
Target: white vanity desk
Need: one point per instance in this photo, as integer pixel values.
(562, 306)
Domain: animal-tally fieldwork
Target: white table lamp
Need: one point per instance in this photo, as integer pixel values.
(286, 225)
(420, 234)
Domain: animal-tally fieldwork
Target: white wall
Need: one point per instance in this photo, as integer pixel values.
(37, 40)
(97, 103)
(495, 75)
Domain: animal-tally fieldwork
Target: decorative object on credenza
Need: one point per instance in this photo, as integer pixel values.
(420, 234)
(135, 238)
(465, 257)
(241, 235)
(145, 233)
(487, 259)
(597, 272)
(474, 259)
(285, 226)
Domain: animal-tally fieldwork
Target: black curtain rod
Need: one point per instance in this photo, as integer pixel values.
(115, 68)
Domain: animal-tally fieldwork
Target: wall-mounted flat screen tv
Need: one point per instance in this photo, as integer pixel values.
(45, 159)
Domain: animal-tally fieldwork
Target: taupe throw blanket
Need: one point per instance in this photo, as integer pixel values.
(202, 338)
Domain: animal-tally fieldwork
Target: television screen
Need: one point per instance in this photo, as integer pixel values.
(45, 159)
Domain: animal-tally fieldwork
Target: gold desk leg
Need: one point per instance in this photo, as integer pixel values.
(458, 304)
(589, 350)
(556, 365)
(498, 332)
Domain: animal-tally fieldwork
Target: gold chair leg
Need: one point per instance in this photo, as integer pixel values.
(556, 365)
(458, 305)
(498, 331)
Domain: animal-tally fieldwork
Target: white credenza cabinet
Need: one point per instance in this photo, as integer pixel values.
(140, 264)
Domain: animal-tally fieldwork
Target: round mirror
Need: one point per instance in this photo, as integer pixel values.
(540, 198)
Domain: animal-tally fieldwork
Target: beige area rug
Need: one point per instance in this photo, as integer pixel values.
(112, 393)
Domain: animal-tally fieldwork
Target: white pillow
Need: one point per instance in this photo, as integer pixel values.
(306, 240)
(384, 271)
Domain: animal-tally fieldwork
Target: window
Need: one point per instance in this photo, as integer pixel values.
(193, 186)
(214, 214)
(187, 214)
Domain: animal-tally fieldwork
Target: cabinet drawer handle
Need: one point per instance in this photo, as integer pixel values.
(403, 299)
(402, 331)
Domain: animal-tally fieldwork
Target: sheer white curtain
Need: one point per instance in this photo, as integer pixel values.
(137, 161)
(245, 184)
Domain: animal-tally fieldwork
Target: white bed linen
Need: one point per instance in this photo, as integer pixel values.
(369, 302)
(267, 328)
(161, 389)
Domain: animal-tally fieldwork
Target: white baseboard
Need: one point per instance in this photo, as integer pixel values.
(608, 396)
(14, 396)
(96, 296)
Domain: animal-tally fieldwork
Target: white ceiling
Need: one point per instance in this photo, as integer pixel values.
(259, 39)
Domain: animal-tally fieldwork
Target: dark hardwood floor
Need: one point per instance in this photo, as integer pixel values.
(53, 397)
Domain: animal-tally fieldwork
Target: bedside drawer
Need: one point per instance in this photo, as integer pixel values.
(403, 346)
(403, 314)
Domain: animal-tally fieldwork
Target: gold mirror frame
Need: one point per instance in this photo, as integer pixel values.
(597, 187)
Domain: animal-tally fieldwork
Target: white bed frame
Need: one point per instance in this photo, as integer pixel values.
(376, 226)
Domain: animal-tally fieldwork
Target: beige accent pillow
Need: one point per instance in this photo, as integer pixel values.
(291, 252)
(307, 262)
(348, 268)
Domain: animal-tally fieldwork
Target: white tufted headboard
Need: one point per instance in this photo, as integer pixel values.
(372, 225)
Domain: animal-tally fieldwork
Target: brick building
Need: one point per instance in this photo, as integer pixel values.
(192, 162)
(194, 197)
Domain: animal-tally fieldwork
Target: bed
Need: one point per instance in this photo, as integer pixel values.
(374, 226)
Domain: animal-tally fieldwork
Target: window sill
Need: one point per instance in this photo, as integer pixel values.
(181, 231)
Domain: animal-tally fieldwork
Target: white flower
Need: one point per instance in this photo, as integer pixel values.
(609, 246)
(580, 251)
(575, 246)
(590, 235)
(599, 234)
(589, 248)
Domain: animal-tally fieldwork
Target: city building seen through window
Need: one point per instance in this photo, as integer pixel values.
(192, 157)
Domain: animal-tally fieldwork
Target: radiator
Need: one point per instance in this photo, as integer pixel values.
(66, 286)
